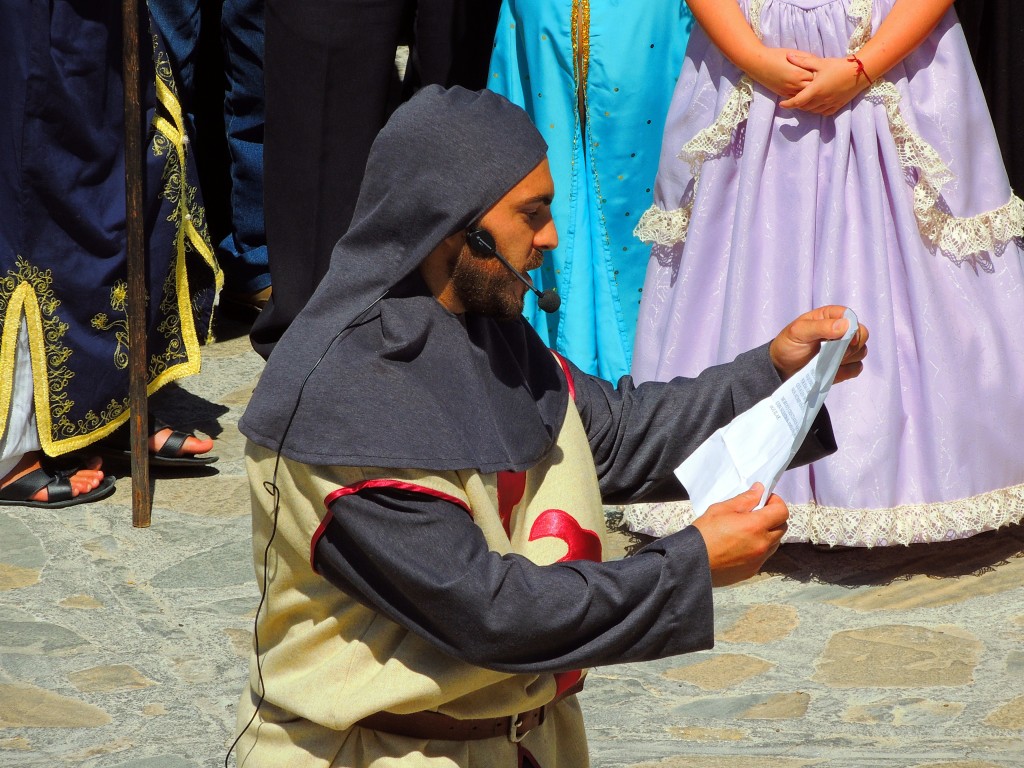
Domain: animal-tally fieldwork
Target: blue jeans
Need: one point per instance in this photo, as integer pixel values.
(242, 252)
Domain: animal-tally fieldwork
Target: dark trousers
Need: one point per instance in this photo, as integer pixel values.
(995, 34)
(216, 50)
(330, 85)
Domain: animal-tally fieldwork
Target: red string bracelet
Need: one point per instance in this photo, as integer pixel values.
(860, 69)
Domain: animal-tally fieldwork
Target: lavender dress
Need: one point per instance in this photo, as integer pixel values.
(897, 206)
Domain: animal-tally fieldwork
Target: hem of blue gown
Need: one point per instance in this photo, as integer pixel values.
(49, 401)
(839, 526)
(78, 442)
(184, 311)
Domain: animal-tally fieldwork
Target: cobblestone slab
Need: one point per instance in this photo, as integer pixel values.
(127, 648)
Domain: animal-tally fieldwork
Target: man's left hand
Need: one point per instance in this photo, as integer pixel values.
(799, 341)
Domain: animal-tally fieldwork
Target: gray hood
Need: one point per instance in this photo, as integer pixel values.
(410, 385)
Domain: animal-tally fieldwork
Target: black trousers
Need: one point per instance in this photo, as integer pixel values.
(330, 85)
(995, 34)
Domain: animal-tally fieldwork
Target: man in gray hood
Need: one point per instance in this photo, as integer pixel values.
(428, 479)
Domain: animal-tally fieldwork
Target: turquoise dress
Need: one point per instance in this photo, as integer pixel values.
(625, 65)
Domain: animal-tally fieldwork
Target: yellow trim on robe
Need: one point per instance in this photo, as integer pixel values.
(169, 136)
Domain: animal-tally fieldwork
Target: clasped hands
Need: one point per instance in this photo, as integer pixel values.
(739, 538)
(808, 82)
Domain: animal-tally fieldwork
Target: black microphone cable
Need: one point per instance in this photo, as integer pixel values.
(271, 488)
(478, 239)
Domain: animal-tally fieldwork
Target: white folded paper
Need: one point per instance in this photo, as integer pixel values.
(758, 445)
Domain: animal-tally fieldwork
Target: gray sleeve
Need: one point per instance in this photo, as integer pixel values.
(424, 564)
(639, 434)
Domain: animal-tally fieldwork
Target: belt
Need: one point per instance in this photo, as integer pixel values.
(434, 725)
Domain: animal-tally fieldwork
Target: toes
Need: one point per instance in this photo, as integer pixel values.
(85, 480)
(82, 481)
(83, 486)
(195, 445)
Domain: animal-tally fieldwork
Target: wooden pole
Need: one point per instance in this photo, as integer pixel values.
(142, 497)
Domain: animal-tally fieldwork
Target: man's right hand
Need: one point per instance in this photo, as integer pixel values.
(739, 538)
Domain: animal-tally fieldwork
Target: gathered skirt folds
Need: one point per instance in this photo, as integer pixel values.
(897, 206)
(63, 265)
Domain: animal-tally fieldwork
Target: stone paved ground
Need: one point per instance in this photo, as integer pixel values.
(126, 648)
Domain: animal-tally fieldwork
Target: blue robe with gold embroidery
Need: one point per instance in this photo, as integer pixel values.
(62, 219)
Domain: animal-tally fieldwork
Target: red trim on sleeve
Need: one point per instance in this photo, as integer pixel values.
(398, 484)
(348, 490)
(568, 374)
(566, 680)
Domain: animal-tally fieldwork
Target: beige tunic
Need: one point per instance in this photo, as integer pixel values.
(328, 661)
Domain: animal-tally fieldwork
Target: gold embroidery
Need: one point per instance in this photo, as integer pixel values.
(118, 303)
(581, 48)
(171, 141)
(28, 289)
(175, 352)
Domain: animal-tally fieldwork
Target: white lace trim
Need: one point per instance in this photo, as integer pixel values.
(755, 17)
(659, 227)
(860, 12)
(670, 227)
(906, 524)
(971, 239)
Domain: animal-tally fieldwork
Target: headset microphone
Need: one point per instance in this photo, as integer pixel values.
(483, 241)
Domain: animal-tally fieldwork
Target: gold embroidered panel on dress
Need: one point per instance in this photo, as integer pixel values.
(174, 333)
(581, 48)
(118, 303)
(58, 374)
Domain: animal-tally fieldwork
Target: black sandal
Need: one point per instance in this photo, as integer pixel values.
(117, 446)
(18, 493)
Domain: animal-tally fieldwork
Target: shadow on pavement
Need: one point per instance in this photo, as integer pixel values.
(859, 566)
(855, 566)
(185, 411)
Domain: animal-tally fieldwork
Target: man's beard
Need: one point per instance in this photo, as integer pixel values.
(493, 294)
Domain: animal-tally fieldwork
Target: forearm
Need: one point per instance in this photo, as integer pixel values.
(639, 434)
(729, 30)
(727, 27)
(907, 25)
(424, 564)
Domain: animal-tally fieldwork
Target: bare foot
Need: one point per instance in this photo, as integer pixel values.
(193, 445)
(84, 480)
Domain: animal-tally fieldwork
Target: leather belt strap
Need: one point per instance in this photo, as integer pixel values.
(434, 725)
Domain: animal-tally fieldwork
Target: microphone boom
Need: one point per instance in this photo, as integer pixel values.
(483, 241)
